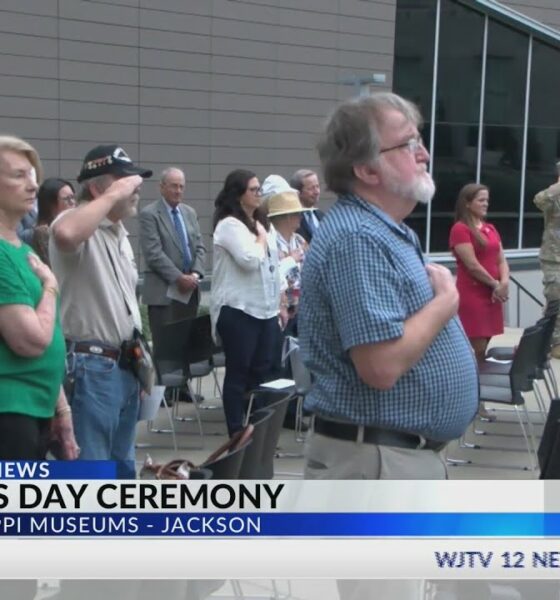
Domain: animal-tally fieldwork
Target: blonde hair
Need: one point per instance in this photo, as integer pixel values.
(15, 144)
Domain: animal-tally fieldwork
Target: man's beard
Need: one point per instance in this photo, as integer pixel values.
(420, 190)
(129, 206)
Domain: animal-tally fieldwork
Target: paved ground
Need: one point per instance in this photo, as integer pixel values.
(502, 454)
(502, 457)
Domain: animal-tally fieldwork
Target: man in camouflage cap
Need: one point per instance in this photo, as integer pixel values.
(548, 201)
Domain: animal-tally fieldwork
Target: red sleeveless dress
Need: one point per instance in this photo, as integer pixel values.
(479, 315)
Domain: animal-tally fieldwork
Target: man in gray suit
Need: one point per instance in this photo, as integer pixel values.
(174, 254)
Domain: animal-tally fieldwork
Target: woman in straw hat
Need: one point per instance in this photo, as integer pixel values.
(285, 211)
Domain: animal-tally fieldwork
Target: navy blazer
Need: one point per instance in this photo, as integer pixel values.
(304, 230)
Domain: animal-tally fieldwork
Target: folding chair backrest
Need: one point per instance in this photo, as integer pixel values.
(525, 362)
(200, 345)
(275, 423)
(252, 461)
(229, 465)
(548, 454)
(184, 343)
(171, 351)
(300, 373)
(548, 322)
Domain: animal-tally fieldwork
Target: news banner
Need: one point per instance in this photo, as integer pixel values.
(53, 512)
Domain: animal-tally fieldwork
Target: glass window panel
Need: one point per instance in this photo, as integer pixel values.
(457, 113)
(413, 72)
(507, 225)
(501, 172)
(545, 85)
(459, 64)
(543, 136)
(504, 113)
(455, 165)
(414, 51)
(506, 75)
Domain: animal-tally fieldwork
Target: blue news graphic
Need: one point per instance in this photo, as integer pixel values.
(242, 524)
(58, 469)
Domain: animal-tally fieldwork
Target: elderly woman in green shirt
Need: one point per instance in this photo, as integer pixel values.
(33, 407)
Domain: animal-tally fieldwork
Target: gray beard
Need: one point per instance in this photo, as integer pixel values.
(425, 190)
(420, 191)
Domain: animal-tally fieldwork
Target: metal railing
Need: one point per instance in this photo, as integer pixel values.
(519, 287)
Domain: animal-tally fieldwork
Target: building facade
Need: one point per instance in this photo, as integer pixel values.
(484, 77)
(212, 85)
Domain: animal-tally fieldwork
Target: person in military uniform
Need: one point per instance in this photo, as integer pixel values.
(548, 201)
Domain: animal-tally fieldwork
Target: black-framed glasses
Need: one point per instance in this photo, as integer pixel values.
(256, 189)
(413, 144)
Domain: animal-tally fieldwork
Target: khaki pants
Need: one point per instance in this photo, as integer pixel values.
(329, 458)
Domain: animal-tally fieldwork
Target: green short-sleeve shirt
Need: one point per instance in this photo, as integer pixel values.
(28, 386)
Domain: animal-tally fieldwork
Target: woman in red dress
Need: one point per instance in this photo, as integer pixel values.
(482, 270)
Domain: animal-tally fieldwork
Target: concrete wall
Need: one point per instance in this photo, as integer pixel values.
(208, 85)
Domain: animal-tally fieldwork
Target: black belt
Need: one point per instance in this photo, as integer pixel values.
(373, 435)
(95, 349)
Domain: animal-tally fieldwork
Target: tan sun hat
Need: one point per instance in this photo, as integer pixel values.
(280, 198)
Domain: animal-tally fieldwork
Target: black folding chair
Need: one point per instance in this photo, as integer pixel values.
(521, 377)
(228, 466)
(252, 461)
(183, 355)
(279, 408)
(547, 373)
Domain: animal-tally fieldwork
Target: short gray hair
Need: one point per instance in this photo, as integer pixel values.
(167, 170)
(101, 181)
(297, 179)
(350, 136)
(11, 143)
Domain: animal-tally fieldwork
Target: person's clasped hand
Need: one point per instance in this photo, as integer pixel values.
(500, 293)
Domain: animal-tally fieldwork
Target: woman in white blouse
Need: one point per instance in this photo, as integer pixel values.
(245, 295)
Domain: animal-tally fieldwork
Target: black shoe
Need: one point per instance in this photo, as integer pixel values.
(290, 423)
(184, 396)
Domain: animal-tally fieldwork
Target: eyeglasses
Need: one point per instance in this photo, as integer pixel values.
(413, 144)
(255, 190)
(69, 200)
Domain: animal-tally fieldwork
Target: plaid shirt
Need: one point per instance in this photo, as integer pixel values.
(364, 276)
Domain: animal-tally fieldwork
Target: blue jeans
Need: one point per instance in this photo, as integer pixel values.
(105, 404)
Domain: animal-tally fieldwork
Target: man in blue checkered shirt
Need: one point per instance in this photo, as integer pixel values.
(395, 376)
